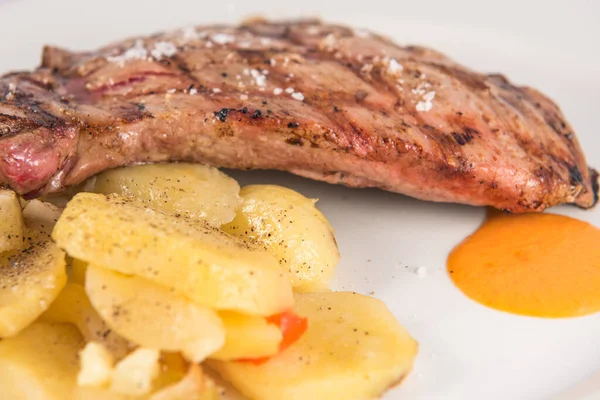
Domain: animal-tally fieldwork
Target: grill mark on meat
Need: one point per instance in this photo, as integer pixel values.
(595, 178)
(40, 117)
(131, 112)
(295, 141)
(446, 149)
(575, 175)
(380, 139)
(222, 114)
(184, 69)
(462, 138)
(11, 125)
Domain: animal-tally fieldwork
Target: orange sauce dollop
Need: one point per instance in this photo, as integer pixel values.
(541, 265)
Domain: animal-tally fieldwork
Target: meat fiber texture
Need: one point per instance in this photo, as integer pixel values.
(322, 101)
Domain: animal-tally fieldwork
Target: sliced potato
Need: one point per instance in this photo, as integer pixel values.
(192, 191)
(72, 305)
(95, 393)
(41, 215)
(176, 381)
(152, 316)
(11, 221)
(353, 349)
(247, 336)
(96, 365)
(134, 374)
(78, 270)
(194, 386)
(290, 227)
(173, 367)
(173, 371)
(210, 267)
(30, 279)
(40, 362)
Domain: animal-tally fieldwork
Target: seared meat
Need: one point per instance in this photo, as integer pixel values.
(321, 101)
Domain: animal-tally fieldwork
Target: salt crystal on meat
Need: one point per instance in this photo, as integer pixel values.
(426, 104)
(329, 43)
(136, 52)
(163, 49)
(394, 67)
(261, 80)
(189, 33)
(222, 38)
(297, 96)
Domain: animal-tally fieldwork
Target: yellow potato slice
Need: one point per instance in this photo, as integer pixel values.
(40, 215)
(247, 336)
(152, 316)
(173, 370)
(210, 267)
(30, 279)
(194, 386)
(11, 221)
(354, 349)
(78, 270)
(96, 365)
(40, 362)
(72, 305)
(291, 228)
(93, 393)
(173, 367)
(195, 192)
(134, 374)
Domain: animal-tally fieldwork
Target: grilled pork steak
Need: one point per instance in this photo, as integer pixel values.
(322, 101)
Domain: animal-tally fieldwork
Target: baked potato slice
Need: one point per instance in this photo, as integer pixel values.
(197, 193)
(213, 269)
(31, 279)
(77, 271)
(11, 221)
(73, 306)
(135, 374)
(40, 362)
(289, 226)
(152, 316)
(354, 349)
(195, 385)
(96, 365)
(40, 215)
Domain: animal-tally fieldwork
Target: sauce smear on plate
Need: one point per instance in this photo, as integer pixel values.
(541, 265)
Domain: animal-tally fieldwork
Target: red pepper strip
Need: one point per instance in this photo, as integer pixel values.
(292, 328)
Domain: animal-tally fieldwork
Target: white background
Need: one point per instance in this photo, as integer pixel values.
(466, 351)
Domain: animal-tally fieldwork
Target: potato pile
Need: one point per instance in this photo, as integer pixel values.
(164, 274)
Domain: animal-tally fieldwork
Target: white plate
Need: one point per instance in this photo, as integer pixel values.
(466, 351)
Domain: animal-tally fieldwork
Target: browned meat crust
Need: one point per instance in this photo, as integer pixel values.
(322, 101)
